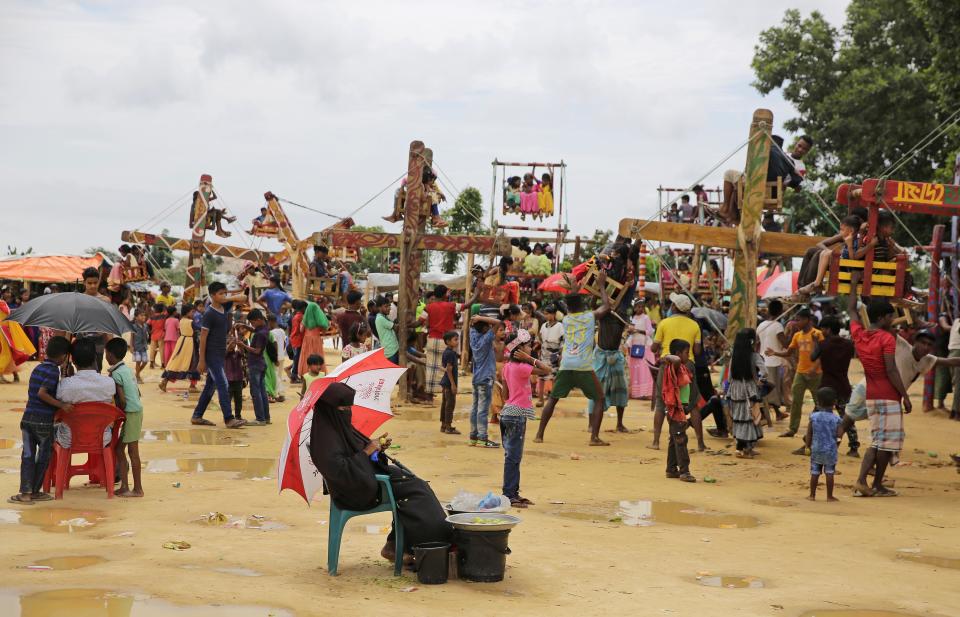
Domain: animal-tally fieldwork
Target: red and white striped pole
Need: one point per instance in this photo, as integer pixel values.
(642, 270)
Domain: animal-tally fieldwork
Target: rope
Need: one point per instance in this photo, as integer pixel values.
(367, 203)
(293, 203)
(825, 208)
(172, 205)
(923, 143)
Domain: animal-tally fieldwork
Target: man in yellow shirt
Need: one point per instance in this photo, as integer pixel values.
(679, 325)
(808, 372)
(164, 297)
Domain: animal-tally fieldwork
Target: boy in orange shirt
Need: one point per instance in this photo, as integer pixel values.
(807, 376)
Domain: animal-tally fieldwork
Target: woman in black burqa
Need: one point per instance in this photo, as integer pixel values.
(343, 456)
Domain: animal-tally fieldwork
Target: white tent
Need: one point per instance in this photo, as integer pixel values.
(389, 281)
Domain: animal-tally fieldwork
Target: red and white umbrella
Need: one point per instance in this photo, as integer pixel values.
(374, 378)
(779, 286)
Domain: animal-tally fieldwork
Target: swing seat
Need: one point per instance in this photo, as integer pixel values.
(266, 230)
(327, 286)
(772, 194)
(345, 254)
(882, 278)
(132, 274)
(615, 289)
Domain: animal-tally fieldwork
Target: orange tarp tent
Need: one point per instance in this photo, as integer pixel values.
(47, 268)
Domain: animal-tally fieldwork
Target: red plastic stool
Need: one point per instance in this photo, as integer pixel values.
(87, 422)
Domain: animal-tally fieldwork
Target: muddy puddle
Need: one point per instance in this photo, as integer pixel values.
(106, 603)
(245, 468)
(67, 562)
(730, 581)
(952, 563)
(6, 444)
(195, 436)
(56, 520)
(647, 512)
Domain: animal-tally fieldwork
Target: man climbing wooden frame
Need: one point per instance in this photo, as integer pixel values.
(412, 242)
(748, 239)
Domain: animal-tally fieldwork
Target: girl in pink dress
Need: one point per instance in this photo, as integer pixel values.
(529, 200)
(641, 336)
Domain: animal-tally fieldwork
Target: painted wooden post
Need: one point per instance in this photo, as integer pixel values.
(414, 224)
(743, 293)
(198, 231)
(642, 271)
(299, 266)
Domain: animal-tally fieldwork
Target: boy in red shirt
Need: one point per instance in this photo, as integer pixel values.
(156, 332)
(296, 337)
(876, 348)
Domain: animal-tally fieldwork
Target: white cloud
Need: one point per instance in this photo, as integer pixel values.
(120, 106)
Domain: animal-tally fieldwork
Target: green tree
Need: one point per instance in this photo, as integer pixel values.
(371, 260)
(601, 237)
(14, 251)
(867, 93)
(465, 217)
(159, 256)
(110, 255)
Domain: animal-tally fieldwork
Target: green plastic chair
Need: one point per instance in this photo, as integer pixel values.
(339, 518)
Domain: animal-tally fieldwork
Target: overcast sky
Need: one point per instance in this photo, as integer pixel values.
(112, 110)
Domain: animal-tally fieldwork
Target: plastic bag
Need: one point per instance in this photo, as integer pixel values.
(473, 502)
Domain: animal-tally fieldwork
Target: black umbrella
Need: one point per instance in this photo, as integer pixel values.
(72, 312)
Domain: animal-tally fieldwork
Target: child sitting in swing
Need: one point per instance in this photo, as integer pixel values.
(511, 200)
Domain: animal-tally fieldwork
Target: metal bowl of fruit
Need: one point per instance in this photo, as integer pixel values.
(483, 521)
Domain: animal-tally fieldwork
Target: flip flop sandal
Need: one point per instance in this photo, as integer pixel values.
(886, 492)
(201, 422)
(687, 478)
(17, 499)
(517, 503)
(41, 497)
(527, 501)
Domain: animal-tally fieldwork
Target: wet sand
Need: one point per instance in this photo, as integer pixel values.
(579, 551)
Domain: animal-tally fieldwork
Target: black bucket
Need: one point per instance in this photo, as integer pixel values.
(431, 562)
(483, 555)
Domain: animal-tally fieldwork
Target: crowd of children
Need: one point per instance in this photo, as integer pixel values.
(520, 358)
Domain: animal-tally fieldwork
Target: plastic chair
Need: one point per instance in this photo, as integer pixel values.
(87, 422)
(339, 518)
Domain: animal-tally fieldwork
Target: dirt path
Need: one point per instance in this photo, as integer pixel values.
(569, 558)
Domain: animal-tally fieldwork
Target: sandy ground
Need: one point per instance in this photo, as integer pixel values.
(568, 558)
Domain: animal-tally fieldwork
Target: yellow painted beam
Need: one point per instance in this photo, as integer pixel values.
(787, 245)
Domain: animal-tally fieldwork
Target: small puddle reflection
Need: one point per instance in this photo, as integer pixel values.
(930, 560)
(70, 562)
(245, 468)
(57, 520)
(646, 512)
(195, 436)
(105, 603)
(6, 444)
(730, 582)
